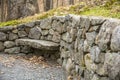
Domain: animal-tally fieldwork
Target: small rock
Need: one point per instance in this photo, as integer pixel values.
(15, 31)
(57, 26)
(21, 27)
(25, 49)
(70, 36)
(35, 33)
(97, 20)
(2, 36)
(37, 22)
(88, 61)
(9, 44)
(84, 22)
(27, 30)
(30, 24)
(12, 50)
(49, 37)
(13, 36)
(56, 37)
(45, 24)
(66, 37)
(22, 34)
(69, 66)
(44, 32)
(86, 46)
(94, 28)
(51, 31)
(6, 28)
(96, 54)
(1, 46)
(90, 37)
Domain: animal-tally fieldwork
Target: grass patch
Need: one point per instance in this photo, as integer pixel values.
(108, 10)
(101, 11)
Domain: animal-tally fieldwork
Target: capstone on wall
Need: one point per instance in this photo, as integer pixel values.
(89, 46)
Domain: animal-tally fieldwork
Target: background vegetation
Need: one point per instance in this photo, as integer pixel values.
(111, 8)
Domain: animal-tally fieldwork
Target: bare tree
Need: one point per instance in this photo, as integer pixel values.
(2, 8)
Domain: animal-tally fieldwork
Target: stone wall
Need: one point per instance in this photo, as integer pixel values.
(89, 46)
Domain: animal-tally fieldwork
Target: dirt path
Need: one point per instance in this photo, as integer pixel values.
(31, 67)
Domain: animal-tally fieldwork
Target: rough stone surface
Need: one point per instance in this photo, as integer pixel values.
(45, 24)
(57, 26)
(56, 37)
(84, 22)
(13, 36)
(69, 66)
(103, 38)
(35, 33)
(96, 54)
(94, 28)
(112, 65)
(15, 31)
(22, 34)
(115, 40)
(44, 32)
(30, 24)
(88, 47)
(88, 61)
(90, 37)
(9, 44)
(66, 37)
(6, 28)
(97, 20)
(2, 36)
(40, 44)
(26, 49)
(1, 46)
(12, 50)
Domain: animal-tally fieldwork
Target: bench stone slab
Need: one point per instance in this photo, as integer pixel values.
(39, 44)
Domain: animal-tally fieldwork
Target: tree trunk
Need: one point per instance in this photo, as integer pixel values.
(2, 9)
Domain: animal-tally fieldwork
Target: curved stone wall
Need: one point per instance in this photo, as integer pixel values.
(89, 46)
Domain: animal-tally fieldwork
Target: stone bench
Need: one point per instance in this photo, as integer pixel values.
(39, 44)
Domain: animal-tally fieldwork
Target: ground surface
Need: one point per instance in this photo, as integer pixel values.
(31, 67)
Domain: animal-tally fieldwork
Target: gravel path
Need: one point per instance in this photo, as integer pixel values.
(31, 67)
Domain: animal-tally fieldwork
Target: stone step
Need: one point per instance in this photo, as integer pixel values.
(39, 44)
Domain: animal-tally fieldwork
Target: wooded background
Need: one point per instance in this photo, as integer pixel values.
(14, 9)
